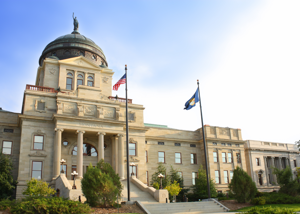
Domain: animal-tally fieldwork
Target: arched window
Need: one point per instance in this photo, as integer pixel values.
(79, 80)
(90, 81)
(69, 85)
(88, 150)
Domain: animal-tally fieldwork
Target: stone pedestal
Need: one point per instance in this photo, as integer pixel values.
(161, 195)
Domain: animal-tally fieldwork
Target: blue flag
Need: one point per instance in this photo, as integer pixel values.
(192, 102)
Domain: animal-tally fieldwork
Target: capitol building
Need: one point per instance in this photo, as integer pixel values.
(70, 114)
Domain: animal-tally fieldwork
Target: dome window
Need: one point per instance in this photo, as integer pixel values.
(53, 54)
(69, 84)
(90, 81)
(67, 52)
(94, 57)
(79, 80)
(81, 53)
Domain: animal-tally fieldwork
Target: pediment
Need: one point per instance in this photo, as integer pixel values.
(80, 61)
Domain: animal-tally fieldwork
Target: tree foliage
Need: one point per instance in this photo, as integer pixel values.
(101, 185)
(37, 188)
(242, 186)
(200, 187)
(298, 144)
(7, 183)
(155, 179)
(174, 189)
(286, 182)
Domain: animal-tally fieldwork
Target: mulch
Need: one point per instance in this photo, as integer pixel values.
(234, 205)
(125, 208)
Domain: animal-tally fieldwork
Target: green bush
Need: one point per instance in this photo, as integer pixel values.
(37, 188)
(259, 201)
(280, 198)
(6, 204)
(53, 205)
(268, 210)
(7, 183)
(285, 179)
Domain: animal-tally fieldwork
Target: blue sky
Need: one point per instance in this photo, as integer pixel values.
(245, 54)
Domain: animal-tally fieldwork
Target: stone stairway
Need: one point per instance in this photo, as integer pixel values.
(136, 194)
(183, 207)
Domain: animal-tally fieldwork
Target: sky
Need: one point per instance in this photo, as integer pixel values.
(245, 54)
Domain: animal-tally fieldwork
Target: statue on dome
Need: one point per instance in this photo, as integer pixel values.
(75, 23)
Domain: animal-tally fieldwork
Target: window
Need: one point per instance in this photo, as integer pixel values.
(132, 149)
(131, 116)
(40, 106)
(161, 143)
(179, 174)
(192, 145)
(194, 176)
(146, 142)
(64, 167)
(134, 168)
(224, 157)
(219, 191)
(69, 85)
(7, 147)
(226, 177)
(81, 53)
(146, 156)
(260, 179)
(237, 145)
(177, 144)
(90, 81)
(229, 144)
(147, 177)
(79, 80)
(161, 157)
(231, 174)
(38, 142)
(36, 170)
(177, 157)
(65, 143)
(193, 159)
(229, 157)
(217, 177)
(74, 168)
(215, 157)
(257, 161)
(215, 143)
(238, 157)
(9, 130)
(222, 144)
(295, 163)
(88, 150)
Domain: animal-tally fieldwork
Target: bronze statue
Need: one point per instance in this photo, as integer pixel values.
(75, 23)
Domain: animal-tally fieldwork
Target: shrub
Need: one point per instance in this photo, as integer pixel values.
(7, 183)
(280, 198)
(165, 180)
(285, 179)
(242, 186)
(156, 185)
(101, 185)
(259, 201)
(38, 188)
(174, 189)
(268, 210)
(6, 204)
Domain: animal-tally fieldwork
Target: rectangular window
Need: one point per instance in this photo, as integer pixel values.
(238, 157)
(40, 106)
(177, 157)
(260, 181)
(134, 168)
(193, 159)
(146, 142)
(161, 157)
(147, 176)
(36, 170)
(217, 177)
(237, 145)
(229, 144)
(177, 144)
(192, 145)
(215, 157)
(226, 177)
(7, 147)
(69, 83)
(79, 82)
(9, 130)
(224, 157)
(161, 143)
(257, 161)
(64, 167)
(38, 142)
(231, 174)
(90, 83)
(215, 143)
(222, 144)
(194, 176)
(295, 163)
(74, 168)
(229, 157)
(146, 156)
(132, 149)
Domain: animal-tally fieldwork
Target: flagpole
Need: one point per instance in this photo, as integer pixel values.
(127, 141)
(203, 136)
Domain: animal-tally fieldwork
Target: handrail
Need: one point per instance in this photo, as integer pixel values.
(224, 207)
(40, 88)
(121, 100)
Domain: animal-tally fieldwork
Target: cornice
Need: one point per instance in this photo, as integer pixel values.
(170, 139)
(24, 116)
(224, 140)
(269, 150)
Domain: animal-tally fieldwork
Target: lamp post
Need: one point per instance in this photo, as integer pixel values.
(74, 173)
(62, 163)
(132, 165)
(160, 176)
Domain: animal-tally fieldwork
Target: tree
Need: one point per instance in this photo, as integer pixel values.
(242, 186)
(7, 183)
(286, 182)
(156, 180)
(174, 189)
(101, 185)
(200, 187)
(298, 144)
(37, 188)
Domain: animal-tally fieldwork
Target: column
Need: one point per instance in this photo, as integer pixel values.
(286, 162)
(75, 81)
(116, 153)
(80, 152)
(57, 152)
(121, 156)
(100, 145)
(280, 163)
(267, 171)
(220, 163)
(273, 175)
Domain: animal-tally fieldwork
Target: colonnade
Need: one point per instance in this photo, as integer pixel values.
(117, 152)
(270, 164)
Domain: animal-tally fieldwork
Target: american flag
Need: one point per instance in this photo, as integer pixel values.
(120, 82)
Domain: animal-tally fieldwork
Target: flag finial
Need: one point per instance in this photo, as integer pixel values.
(125, 67)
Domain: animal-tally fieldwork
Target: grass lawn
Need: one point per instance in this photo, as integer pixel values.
(294, 207)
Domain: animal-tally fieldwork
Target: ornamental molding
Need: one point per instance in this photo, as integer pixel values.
(132, 159)
(38, 154)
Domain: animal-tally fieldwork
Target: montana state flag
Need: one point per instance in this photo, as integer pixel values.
(192, 102)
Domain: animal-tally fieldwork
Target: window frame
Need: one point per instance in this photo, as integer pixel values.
(71, 77)
(136, 170)
(65, 171)
(226, 179)
(147, 177)
(132, 149)
(230, 172)
(159, 157)
(224, 157)
(84, 154)
(146, 153)
(90, 80)
(11, 149)
(295, 163)
(229, 160)
(38, 142)
(217, 157)
(217, 181)
(194, 155)
(74, 167)
(194, 178)
(177, 158)
(257, 161)
(37, 170)
(238, 157)
(80, 79)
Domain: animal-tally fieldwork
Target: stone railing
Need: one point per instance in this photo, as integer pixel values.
(40, 88)
(121, 100)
